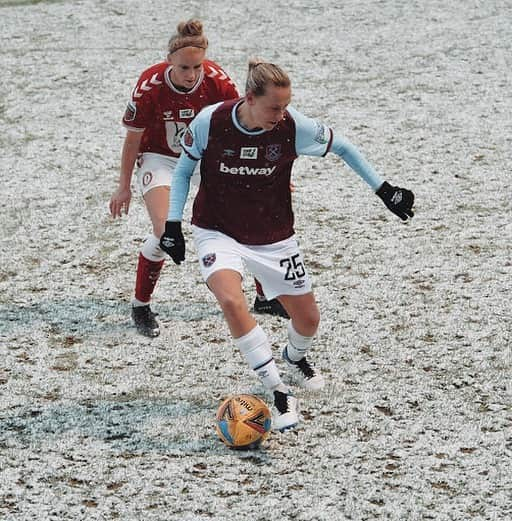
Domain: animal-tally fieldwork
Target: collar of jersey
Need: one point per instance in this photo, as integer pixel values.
(167, 76)
(239, 126)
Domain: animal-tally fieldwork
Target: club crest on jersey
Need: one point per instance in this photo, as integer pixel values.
(249, 153)
(188, 138)
(186, 113)
(209, 259)
(273, 152)
(131, 111)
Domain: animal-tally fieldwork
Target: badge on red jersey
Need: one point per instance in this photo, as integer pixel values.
(188, 138)
(131, 111)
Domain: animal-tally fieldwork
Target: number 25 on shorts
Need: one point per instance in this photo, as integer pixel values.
(294, 267)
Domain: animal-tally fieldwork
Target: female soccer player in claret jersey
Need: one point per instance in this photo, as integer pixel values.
(165, 100)
(242, 214)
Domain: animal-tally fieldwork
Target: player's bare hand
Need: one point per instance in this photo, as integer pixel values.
(120, 202)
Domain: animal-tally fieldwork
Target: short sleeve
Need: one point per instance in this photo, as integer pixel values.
(312, 137)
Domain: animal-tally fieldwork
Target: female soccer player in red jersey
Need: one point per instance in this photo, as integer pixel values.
(242, 215)
(165, 100)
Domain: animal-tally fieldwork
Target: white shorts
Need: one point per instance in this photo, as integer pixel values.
(279, 267)
(156, 170)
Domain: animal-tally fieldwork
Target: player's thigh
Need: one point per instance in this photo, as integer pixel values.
(154, 180)
(157, 204)
(279, 267)
(216, 252)
(154, 170)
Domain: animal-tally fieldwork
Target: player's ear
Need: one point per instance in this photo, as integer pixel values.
(249, 97)
(169, 58)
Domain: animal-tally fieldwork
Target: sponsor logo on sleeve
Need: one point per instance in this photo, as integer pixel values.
(273, 152)
(131, 111)
(188, 138)
(249, 153)
(321, 134)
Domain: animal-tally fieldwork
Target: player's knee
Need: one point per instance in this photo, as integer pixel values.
(313, 321)
(232, 305)
(308, 323)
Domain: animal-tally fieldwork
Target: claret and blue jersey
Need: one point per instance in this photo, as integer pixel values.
(245, 175)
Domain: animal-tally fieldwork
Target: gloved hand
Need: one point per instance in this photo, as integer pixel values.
(399, 200)
(173, 242)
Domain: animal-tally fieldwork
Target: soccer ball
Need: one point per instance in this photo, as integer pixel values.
(243, 421)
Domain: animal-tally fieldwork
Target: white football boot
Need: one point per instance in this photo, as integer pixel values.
(310, 377)
(287, 416)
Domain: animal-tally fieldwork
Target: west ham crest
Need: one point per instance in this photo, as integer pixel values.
(273, 152)
(209, 259)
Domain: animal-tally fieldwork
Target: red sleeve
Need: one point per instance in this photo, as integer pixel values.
(140, 108)
(225, 85)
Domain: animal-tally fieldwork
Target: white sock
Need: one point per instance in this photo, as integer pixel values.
(151, 249)
(298, 345)
(257, 351)
(137, 303)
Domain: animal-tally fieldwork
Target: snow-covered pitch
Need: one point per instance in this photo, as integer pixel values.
(99, 423)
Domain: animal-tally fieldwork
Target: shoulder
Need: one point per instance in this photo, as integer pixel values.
(214, 71)
(202, 120)
(312, 137)
(318, 130)
(150, 80)
(216, 75)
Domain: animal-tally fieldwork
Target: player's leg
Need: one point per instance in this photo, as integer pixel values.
(280, 269)
(302, 327)
(154, 180)
(222, 268)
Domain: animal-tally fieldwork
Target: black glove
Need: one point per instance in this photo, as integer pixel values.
(173, 242)
(399, 200)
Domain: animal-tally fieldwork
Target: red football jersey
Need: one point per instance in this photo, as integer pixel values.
(163, 112)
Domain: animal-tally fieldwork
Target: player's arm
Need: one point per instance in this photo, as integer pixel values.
(314, 138)
(398, 200)
(121, 198)
(193, 142)
(138, 115)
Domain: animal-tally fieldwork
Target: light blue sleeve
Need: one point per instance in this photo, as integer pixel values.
(194, 143)
(180, 186)
(355, 160)
(313, 138)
